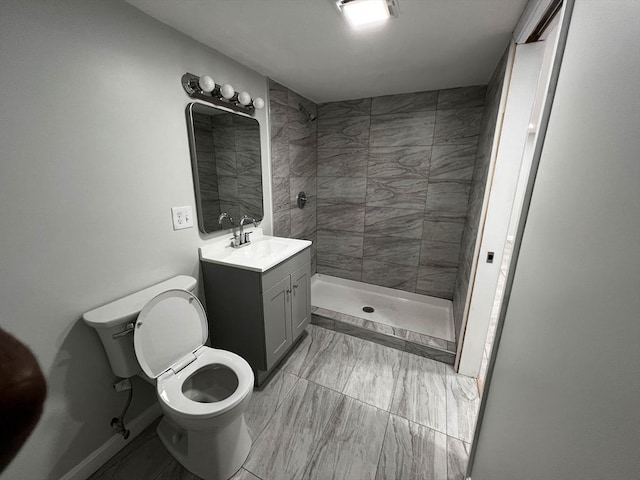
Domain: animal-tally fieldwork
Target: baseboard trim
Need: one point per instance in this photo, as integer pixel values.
(113, 445)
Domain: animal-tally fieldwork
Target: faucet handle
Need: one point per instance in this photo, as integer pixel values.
(246, 237)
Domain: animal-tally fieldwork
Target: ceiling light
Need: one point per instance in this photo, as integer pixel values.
(366, 12)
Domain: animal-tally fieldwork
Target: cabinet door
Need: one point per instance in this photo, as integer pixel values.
(301, 299)
(277, 320)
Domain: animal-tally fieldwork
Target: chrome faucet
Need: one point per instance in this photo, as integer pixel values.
(244, 238)
(221, 218)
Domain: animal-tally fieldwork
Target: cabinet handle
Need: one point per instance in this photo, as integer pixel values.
(288, 290)
(295, 286)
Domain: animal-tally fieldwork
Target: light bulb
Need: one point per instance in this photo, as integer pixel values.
(206, 83)
(244, 98)
(227, 91)
(258, 103)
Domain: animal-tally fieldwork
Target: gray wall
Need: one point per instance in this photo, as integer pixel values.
(478, 186)
(394, 175)
(293, 165)
(93, 155)
(563, 398)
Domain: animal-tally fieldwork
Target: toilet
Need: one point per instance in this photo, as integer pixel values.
(159, 334)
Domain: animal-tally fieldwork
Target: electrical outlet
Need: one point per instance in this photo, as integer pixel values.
(182, 217)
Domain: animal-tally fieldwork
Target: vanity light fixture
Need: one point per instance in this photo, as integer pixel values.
(366, 12)
(205, 88)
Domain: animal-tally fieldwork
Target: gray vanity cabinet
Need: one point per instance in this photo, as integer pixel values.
(258, 315)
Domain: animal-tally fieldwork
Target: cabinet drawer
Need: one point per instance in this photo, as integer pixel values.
(271, 277)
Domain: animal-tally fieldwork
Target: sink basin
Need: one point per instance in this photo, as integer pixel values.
(263, 253)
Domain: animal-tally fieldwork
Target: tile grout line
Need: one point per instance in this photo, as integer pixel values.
(277, 408)
(324, 430)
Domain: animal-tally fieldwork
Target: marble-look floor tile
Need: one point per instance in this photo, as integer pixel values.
(266, 400)
(342, 162)
(175, 471)
(427, 340)
(332, 366)
(463, 402)
(350, 447)
(283, 449)
(374, 375)
(322, 321)
(443, 357)
(243, 474)
(383, 339)
(457, 459)
(412, 452)
(420, 394)
(304, 354)
(147, 460)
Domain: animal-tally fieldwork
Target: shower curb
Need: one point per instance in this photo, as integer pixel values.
(398, 338)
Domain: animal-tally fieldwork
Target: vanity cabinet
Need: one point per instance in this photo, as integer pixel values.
(258, 315)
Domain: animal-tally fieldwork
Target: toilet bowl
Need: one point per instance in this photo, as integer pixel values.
(203, 392)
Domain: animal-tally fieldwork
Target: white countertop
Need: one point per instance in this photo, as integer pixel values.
(263, 253)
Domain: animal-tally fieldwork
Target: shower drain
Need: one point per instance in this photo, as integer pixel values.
(368, 309)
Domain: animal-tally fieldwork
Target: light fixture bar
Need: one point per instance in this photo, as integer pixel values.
(206, 89)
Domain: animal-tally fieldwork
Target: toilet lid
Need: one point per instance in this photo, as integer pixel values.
(170, 327)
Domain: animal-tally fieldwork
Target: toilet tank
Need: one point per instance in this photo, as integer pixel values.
(114, 323)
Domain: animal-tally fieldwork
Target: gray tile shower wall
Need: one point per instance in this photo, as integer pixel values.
(477, 189)
(293, 164)
(394, 177)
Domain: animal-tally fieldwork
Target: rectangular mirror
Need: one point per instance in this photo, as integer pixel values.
(226, 165)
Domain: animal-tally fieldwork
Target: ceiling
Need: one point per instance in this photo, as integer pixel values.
(307, 46)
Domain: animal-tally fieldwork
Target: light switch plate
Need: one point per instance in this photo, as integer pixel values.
(182, 217)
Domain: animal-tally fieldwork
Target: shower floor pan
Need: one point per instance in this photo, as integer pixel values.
(407, 321)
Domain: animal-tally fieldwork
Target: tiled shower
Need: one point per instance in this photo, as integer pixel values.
(390, 180)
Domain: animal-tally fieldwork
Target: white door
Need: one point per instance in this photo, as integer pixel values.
(525, 76)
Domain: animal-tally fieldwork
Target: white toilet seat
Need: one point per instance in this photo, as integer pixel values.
(170, 384)
(169, 337)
